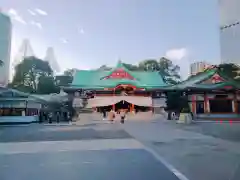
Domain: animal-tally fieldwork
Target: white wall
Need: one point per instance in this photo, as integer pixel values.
(5, 47)
(230, 37)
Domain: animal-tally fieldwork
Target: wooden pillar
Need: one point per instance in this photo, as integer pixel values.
(194, 104)
(235, 103)
(206, 106)
(113, 106)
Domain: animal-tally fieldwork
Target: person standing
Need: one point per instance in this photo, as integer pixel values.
(111, 116)
(122, 114)
(104, 113)
(58, 117)
(69, 117)
(50, 116)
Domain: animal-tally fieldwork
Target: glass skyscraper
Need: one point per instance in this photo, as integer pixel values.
(230, 31)
(5, 47)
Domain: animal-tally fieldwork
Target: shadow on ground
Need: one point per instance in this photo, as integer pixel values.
(219, 130)
(56, 133)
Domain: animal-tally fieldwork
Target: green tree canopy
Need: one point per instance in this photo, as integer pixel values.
(69, 72)
(28, 73)
(230, 70)
(105, 68)
(168, 70)
(1, 63)
(46, 85)
(132, 67)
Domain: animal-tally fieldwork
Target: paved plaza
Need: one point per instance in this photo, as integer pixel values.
(95, 149)
(199, 151)
(92, 151)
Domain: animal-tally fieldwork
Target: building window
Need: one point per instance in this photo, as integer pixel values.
(200, 107)
(220, 106)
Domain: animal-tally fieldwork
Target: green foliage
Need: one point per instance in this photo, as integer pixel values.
(165, 67)
(131, 67)
(229, 70)
(1, 63)
(21, 87)
(176, 101)
(69, 72)
(33, 75)
(185, 110)
(105, 68)
(63, 80)
(173, 100)
(46, 85)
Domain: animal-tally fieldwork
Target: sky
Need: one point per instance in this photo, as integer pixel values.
(89, 33)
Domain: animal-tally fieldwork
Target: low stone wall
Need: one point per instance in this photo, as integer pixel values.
(234, 117)
(18, 119)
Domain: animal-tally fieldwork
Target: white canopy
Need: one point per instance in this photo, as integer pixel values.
(110, 100)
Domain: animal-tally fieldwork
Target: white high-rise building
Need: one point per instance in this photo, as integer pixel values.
(230, 31)
(25, 50)
(198, 67)
(52, 60)
(5, 47)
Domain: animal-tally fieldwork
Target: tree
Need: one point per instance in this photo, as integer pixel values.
(46, 85)
(170, 74)
(149, 65)
(131, 67)
(169, 71)
(63, 80)
(69, 72)
(27, 73)
(1, 63)
(230, 70)
(165, 67)
(104, 68)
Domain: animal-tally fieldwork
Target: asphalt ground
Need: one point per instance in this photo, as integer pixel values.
(95, 151)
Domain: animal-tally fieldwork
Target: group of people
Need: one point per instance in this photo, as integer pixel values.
(112, 115)
(55, 116)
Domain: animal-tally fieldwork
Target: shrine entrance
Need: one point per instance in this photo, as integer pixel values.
(122, 105)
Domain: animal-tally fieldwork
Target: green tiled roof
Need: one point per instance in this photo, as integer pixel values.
(195, 82)
(94, 79)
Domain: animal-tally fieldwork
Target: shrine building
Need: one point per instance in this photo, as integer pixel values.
(211, 95)
(119, 88)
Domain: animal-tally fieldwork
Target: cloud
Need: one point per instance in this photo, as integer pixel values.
(41, 12)
(64, 40)
(37, 24)
(81, 31)
(15, 16)
(176, 54)
(31, 12)
(12, 12)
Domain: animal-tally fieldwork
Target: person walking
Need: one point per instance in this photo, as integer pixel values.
(58, 117)
(122, 115)
(104, 113)
(111, 116)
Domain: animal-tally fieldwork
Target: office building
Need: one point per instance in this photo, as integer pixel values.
(52, 60)
(25, 50)
(230, 31)
(198, 67)
(5, 47)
